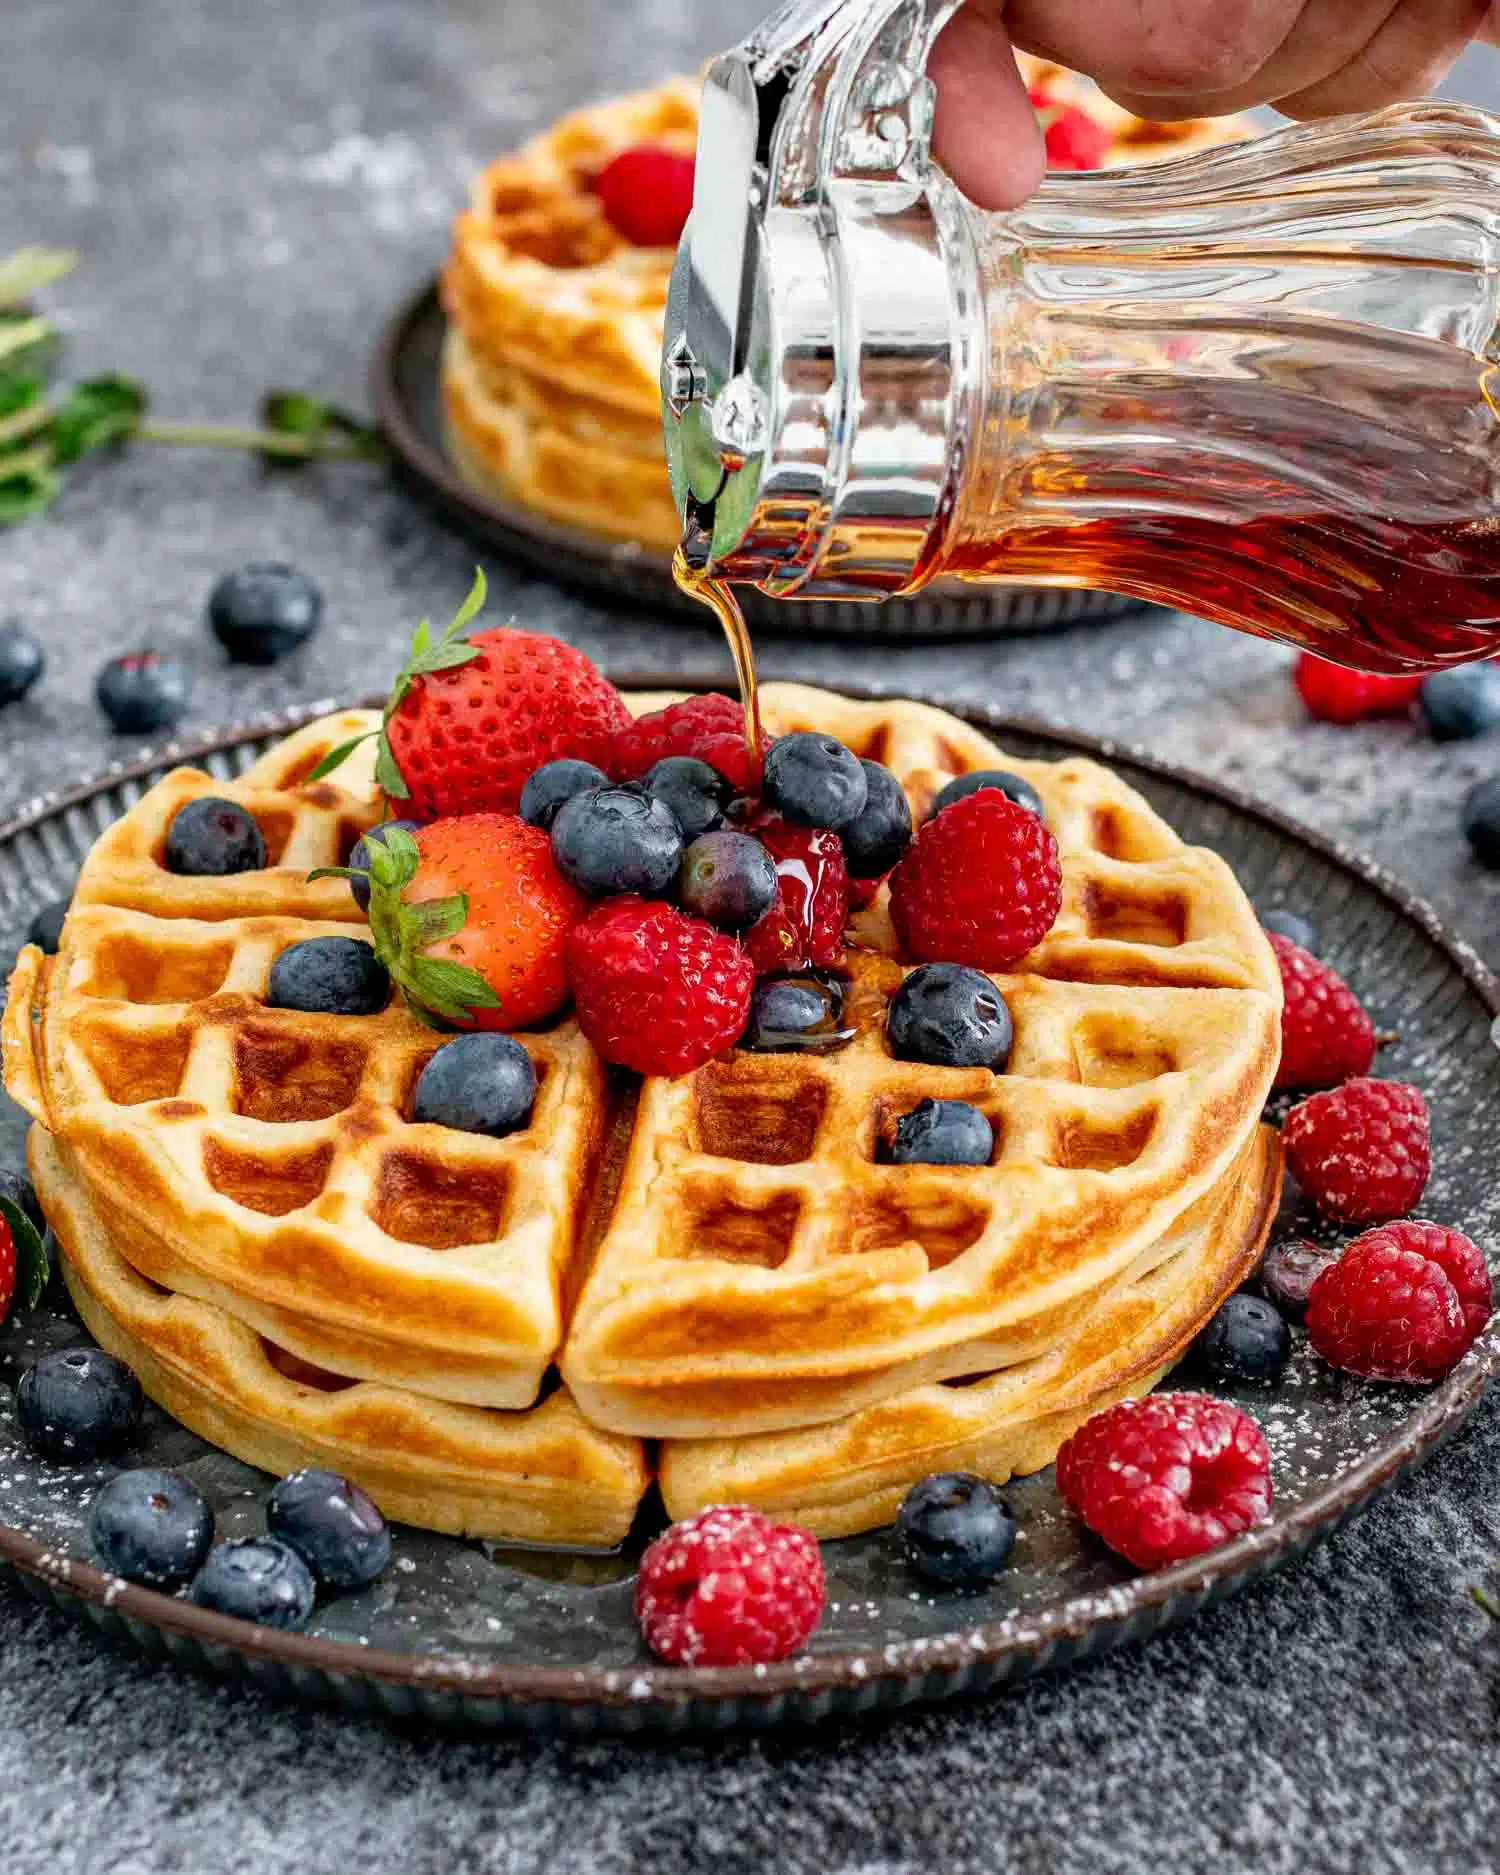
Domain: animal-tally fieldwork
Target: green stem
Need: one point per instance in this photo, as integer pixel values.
(23, 334)
(26, 462)
(224, 436)
(23, 423)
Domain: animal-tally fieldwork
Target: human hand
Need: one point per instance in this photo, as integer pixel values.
(1181, 58)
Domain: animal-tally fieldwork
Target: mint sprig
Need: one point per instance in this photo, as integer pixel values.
(425, 657)
(45, 430)
(33, 1265)
(435, 989)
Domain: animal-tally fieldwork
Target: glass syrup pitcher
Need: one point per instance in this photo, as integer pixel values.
(1259, 383)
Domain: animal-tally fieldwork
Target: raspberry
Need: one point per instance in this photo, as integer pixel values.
(981, 886)
(805, 925)
(1168, 1477)
(1335, 695)
(711, 727)
(467, 739)
(1402, 1303)
(729, 1589)
(1074, 139)
(647, 194)
(1326, 1037)
(1362, 1152)
(656, 991)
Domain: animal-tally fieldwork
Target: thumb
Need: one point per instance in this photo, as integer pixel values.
(985, 134)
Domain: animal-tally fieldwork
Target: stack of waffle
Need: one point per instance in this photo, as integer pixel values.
(550, 366)
(739, 1297)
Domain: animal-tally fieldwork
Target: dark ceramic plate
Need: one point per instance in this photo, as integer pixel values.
(467, 1633)
(404, 392)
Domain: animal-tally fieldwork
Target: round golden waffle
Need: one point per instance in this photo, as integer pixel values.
(711, 1257)
(549, 369)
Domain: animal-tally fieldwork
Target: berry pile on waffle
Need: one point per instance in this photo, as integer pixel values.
(556, 286)
(527, 1092)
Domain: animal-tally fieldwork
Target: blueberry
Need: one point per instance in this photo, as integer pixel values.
(477, 1084)
(881, 831)
(956, 1529)
(151, 1526)
(552, 784)
(210, 838)
(77, 1405)
(943, 1132)
(696, 793)
(19, 1190)
(45, 929)
(1290, 1268)
(332, 1525)
(257, 1579)
(800, 1014)
(21, 662)
(334, 976)
(1011, 786)
(359, 858)
(951, 1016)
(261, 612)
(1246, 1341)
(142, 691)
(1481, 821)
(728, 878)
(814, 781)
(1291, 924)
(617, 840)
(1461, 702)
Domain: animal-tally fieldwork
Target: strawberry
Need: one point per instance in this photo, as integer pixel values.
(657, 991)
(646, 193)
(805, 925)
(470, 720)
(1074, 139)
(710, 727)
(471, 916)
(1335, 695)
(24, 1262)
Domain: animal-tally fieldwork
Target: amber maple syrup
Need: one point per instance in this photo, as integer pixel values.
(1381, 593)
(718, 596)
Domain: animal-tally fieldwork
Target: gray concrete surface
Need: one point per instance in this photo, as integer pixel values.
(251, 188)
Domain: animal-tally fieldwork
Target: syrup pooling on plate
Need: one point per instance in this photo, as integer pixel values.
(718, 596)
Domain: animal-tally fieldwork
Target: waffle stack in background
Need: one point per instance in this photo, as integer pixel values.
(720, 1263)
(549, 370)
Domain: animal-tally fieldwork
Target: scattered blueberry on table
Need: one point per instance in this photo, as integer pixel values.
(1292, 925)
(22, 662)
(257, 1579)
(142, 691)
(332, 1525)
(1462, 702)
(1481, 821)
(1247, 1340)
(263, 612)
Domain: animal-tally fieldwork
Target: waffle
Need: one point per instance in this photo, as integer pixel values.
(253, 1221)
(259, 1159)
(541, 1476)
(851, 1475)
(761, 1269)
(549, 370)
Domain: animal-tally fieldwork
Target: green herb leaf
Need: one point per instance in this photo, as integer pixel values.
(329, 432)
(96, 413)
(33, 1265)
(30, 269)
(28, 484)
(335, 758)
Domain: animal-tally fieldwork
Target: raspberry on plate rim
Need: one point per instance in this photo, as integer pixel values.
(730, 1588)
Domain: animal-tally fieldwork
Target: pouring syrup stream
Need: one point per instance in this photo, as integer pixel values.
(718, 596)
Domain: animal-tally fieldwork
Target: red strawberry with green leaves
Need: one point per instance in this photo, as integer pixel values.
(470, 719)
(470, 915)
(24, 1262)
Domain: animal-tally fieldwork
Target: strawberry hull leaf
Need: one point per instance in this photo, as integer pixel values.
(335, 758)
(33, 1264)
